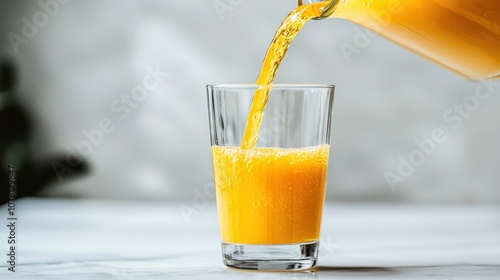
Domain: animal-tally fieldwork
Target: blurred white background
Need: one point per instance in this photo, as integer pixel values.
(76, 67)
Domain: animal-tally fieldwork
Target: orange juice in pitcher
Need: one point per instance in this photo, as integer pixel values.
(461, 35)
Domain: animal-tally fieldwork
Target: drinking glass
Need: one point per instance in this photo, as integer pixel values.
(270, 198)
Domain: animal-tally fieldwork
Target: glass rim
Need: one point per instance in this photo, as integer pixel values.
(272, 86)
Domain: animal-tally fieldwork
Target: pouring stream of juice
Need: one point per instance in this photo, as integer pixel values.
(460, 35)
(275, 53)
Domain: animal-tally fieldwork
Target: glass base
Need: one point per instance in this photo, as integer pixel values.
(300, 256)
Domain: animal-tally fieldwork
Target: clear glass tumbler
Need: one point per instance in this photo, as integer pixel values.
(270, 198)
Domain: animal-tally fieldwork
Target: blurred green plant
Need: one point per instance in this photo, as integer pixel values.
(16, 126)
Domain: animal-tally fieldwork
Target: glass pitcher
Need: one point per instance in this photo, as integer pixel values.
(461, 35)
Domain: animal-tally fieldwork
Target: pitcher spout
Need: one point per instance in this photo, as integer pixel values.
(328, 10)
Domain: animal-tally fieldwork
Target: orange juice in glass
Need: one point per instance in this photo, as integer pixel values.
(270, 197)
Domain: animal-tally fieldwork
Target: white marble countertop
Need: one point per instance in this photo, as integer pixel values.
(87, 239)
